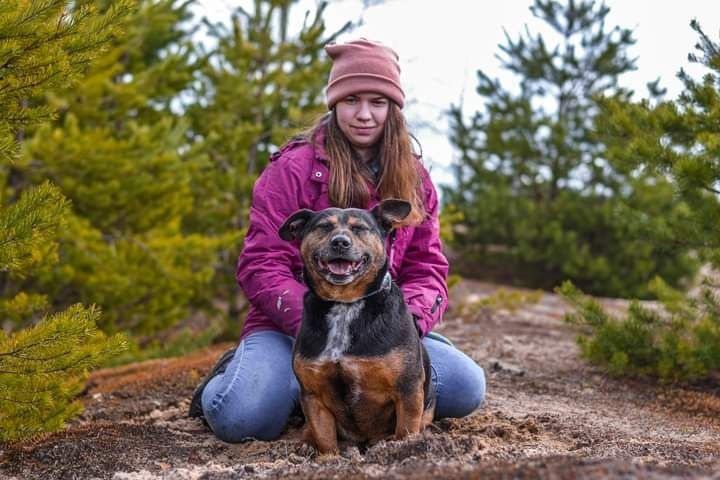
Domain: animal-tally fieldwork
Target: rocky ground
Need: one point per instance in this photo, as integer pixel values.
(547, 415)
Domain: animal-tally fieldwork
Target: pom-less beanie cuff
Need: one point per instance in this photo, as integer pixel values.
(349, 85)
(363, 66)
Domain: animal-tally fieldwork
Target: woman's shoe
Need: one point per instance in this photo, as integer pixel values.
(196, 410)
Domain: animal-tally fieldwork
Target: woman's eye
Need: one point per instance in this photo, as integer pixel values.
(379, 103)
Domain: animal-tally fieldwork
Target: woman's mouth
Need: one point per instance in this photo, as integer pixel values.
(363, 130)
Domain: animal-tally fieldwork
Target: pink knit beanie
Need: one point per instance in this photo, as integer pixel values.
(363, 66)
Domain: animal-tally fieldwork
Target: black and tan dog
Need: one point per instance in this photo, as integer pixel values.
(363, 371)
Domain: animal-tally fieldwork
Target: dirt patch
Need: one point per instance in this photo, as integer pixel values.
(547, 415)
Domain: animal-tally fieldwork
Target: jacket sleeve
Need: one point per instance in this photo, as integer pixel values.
(264, 270)
(422, 276)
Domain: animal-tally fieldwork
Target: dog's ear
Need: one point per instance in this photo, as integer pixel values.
(293, 226)
(390, 212)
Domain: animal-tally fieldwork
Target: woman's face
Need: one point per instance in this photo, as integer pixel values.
(361, 118)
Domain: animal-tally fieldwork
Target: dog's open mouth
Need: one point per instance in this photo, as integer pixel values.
(341, 270)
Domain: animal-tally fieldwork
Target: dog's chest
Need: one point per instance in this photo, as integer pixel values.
(352, 380)
(340, 320)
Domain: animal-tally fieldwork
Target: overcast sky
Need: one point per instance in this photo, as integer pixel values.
(443, 43)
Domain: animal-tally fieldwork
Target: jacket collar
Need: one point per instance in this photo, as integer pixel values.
(318, 144)
(319, 172)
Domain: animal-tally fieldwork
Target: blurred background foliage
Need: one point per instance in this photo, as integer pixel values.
(128, 152)
(563, 178)
(541, 199)
(678, 140)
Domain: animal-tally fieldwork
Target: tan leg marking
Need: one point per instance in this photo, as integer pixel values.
(409, 414)
(320, 430)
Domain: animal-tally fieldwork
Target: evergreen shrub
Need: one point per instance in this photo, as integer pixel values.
(677, 340)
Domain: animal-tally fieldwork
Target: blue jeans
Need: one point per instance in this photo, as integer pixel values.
(258, 391)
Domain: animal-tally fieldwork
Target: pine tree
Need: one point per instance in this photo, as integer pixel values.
(541, 201)
(45, 44)
(681, 140)
(115, 151)
(260, 85)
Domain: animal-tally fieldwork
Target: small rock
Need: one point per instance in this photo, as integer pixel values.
(353, 454)
(296, 459)
(500, 366)
(155, 414)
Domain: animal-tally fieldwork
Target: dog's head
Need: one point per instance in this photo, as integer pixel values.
(344, 249)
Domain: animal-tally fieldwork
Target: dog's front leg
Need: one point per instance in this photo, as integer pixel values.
(320, 430)
(409, 413)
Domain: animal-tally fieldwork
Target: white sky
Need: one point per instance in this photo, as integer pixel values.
(442, 44)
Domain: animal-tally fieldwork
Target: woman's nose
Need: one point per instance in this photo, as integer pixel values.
(364, 111)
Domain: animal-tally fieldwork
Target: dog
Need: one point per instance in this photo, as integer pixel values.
(364, 373)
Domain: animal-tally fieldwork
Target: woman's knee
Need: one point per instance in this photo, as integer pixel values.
(259, 415)
(233, 424)
(254, 397)
(459, 381)
(474, 390)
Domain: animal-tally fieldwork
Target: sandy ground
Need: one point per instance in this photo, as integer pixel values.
(547, 415)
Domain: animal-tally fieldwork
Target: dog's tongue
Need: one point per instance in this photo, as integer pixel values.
(340, 267)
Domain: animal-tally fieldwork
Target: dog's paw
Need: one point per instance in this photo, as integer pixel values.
(407, 436)
(306, 450)
(404, 435)
(328, 457)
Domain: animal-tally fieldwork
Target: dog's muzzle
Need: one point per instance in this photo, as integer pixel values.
(339, 261)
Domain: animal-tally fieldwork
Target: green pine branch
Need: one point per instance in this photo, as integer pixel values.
(44, 367)
(45, 44)
(27, 225)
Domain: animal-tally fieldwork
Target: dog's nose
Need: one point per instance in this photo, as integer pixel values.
(340, 242)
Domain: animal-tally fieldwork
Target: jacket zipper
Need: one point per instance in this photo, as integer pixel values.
(438, 301)
(393, 234)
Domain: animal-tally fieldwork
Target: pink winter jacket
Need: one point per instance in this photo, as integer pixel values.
(270, 269)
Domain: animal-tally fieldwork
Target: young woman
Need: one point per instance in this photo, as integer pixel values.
(357, 155)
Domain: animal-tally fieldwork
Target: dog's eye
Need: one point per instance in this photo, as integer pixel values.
(357, 229)
(325, 227)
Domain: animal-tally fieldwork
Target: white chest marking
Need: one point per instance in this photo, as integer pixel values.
(339, 319)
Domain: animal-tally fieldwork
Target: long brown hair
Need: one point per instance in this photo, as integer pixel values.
(399, 175)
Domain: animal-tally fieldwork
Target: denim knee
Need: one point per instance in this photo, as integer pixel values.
(473, 393)
(458, 380)
(233, 424)
(254, 397)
